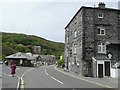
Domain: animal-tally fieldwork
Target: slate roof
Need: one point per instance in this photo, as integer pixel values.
(47, 57)
(102, 57)
(20, 55)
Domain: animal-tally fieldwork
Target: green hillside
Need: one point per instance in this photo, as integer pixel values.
(13, 42)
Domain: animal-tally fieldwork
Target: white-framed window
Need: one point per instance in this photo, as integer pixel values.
(75, 49)
(67, 39)
(100, 15)
(75, 33)
(101, 31)
(101, 48)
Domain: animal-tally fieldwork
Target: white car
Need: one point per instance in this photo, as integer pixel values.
(1, 62)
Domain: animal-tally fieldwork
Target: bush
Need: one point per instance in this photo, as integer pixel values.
(60, 62)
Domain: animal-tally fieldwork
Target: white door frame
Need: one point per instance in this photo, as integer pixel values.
(103, 63)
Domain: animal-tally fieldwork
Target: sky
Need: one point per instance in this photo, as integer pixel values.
(43, 19)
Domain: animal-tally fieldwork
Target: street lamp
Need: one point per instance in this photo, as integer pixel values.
(107, 43)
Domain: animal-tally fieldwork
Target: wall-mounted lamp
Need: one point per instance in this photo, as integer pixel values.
(107, 43)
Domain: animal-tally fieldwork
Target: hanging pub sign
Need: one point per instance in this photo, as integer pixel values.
(109, 55)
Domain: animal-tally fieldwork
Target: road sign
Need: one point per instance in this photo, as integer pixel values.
(109, 55)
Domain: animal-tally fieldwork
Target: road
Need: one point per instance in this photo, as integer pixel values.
(49, 77)
(45, 77)
(12, 82)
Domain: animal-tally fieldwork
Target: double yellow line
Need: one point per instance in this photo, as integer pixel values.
(22, 84)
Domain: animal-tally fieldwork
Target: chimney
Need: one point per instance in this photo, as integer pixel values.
(101, 5)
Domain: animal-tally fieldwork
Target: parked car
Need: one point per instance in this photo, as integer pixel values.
(116, 65)
(1, 62)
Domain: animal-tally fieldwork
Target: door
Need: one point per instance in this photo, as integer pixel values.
(107, 68)
(100, 70)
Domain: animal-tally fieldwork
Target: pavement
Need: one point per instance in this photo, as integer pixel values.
(107, 81)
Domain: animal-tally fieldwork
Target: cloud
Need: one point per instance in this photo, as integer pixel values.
(45, 19)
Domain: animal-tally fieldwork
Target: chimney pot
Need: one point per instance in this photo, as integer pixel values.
(101, 5)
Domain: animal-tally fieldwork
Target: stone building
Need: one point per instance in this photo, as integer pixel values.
(36, 49)
(92, 41)
(48, 59)
(21, 59)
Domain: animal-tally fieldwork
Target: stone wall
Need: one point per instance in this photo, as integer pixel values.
(75, 59)
(91, 23)
(86, 23)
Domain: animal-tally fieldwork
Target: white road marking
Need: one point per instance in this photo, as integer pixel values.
(21, 78)
(46, 72)
(22, 84)
(26, 72)
(18, 85)
(17, 77)
(57, 80)
(84, 79)
(6, 74)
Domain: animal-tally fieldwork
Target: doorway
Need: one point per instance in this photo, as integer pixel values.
(100, 70)
(107, 68)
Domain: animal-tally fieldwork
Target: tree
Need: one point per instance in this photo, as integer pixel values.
(27, 50)
(20, 48)
(61, 61)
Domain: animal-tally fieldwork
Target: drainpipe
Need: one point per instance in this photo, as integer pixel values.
(95, 38)
(95, 44)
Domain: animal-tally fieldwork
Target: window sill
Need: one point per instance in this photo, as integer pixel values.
(101, 34)
(102, 53)
(100, 17)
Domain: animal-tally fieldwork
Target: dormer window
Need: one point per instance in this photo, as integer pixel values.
(100, 15)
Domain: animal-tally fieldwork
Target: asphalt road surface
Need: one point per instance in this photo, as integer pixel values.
(12, 82)
(44, 77)
(49, 77)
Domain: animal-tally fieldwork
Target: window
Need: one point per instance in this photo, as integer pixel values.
(75, 60)
(71, 32)
(101, 31)
(71, 53)
(67, 39)
(100, 15)
(75, 49)
(75, 34)
(101, 48)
